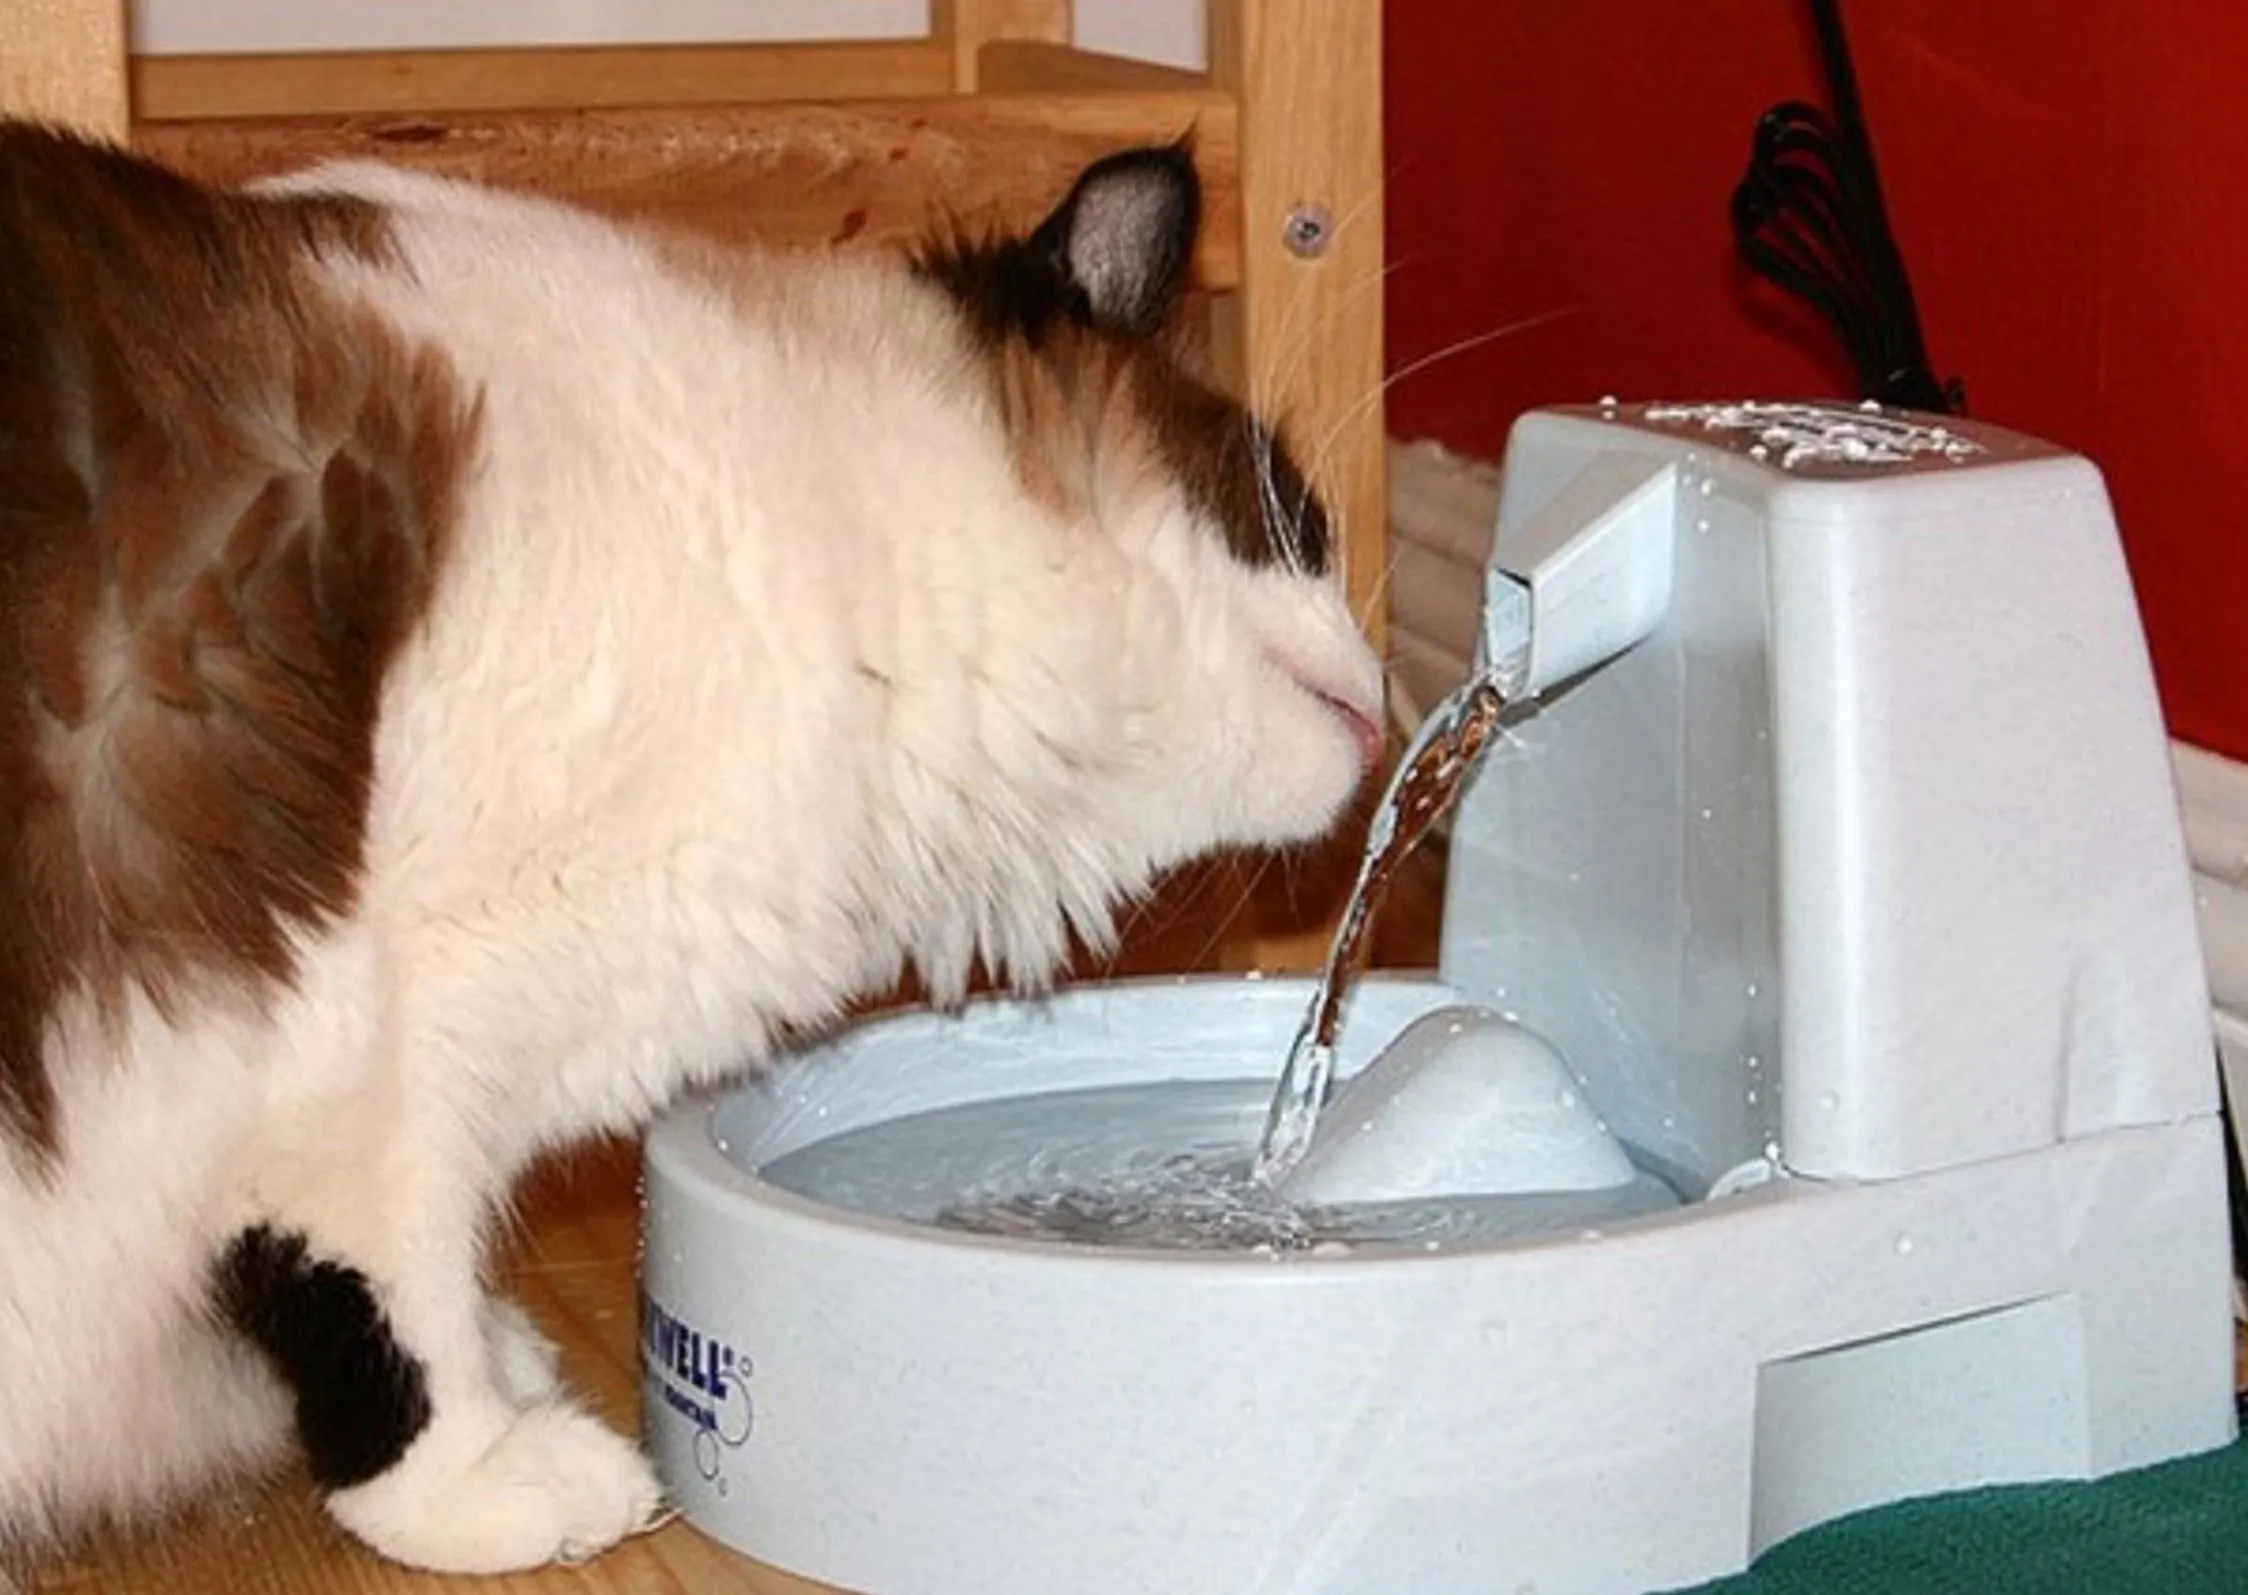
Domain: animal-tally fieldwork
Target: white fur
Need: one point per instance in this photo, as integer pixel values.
(755, 675)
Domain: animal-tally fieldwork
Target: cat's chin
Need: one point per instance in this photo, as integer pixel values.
(1299, 799)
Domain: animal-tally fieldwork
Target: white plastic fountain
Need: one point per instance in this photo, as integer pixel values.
(1833, 891)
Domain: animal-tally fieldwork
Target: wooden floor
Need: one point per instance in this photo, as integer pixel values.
(572, 1267)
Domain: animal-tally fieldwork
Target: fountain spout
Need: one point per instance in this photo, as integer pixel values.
(1585, 577)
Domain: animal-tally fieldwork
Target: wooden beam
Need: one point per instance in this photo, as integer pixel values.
(875, 173)
(1307, 76)
(967, 26)
(1016, 65)
(64, 61)
(1304, 333)
(344, 83)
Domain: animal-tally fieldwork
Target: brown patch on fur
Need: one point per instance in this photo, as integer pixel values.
(1087, 411)
(1237, 470)
(225, 499)
(1088, 398)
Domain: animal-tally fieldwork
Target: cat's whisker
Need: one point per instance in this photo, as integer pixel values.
(1288, 354)
(1379, 591)
(1243, 896)
(1139, 917)
(1357, 410)
(1157, 913)
(1412, 368)
(1291, 346)
(1277, 529)
(1291, 349)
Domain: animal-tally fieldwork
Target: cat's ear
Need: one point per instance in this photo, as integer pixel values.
(1124, 234)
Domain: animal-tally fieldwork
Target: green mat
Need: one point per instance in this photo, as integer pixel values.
(2177, 1529)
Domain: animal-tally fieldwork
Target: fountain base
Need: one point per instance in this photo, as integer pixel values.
(895, 1408)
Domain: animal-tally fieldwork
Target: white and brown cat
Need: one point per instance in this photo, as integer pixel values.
(469, 670)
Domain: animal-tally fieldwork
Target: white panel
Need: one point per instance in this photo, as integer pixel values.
(1168, 31)
(186, 27)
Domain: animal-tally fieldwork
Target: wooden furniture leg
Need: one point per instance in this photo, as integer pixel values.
(1303, 334)
(64, 61)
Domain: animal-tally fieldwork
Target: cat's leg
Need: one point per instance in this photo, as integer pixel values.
(525, 1364)
(429, 1412)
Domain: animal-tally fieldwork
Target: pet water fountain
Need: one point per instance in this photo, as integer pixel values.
(1815, 1105)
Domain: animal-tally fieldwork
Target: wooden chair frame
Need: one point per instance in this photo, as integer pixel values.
(986, 117)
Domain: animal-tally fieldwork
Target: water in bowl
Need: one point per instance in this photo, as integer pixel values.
(1198, 1165)
(1166, 1166)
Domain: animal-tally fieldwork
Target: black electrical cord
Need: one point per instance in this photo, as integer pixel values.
(1808, 216)
(2236, 1181)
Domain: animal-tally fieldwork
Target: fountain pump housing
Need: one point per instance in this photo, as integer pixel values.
(1837, 857)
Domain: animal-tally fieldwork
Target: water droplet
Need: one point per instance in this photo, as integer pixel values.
(1705, 487)
(1752, 1096)
(1709, 814)
(1772, 1153)
(1670, 1121)
(1757, 451)
(1830, 1101)
(1253, 974)
(1588, 1235)
(1904, 1245)
(1510, 1016)
(1567, 1099)
(1751, 988)
(1608, 401)
(1701, 526)
(1755, 1062)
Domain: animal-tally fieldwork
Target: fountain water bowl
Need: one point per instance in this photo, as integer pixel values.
(1464, 1102)
(1863, 871)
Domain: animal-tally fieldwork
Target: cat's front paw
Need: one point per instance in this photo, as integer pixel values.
(554, 1486)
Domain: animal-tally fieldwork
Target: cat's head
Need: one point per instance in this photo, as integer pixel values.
(1262, 701)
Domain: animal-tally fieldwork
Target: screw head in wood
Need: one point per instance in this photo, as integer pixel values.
(1308, 230)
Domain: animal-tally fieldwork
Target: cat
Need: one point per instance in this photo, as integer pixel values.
(475, 669)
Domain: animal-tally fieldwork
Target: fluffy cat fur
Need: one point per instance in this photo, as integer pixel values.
(472, 670)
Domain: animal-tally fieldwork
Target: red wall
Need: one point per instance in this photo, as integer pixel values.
(2068, 181)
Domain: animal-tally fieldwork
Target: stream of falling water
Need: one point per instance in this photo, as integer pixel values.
(1428, 777)
(1165, 1166)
